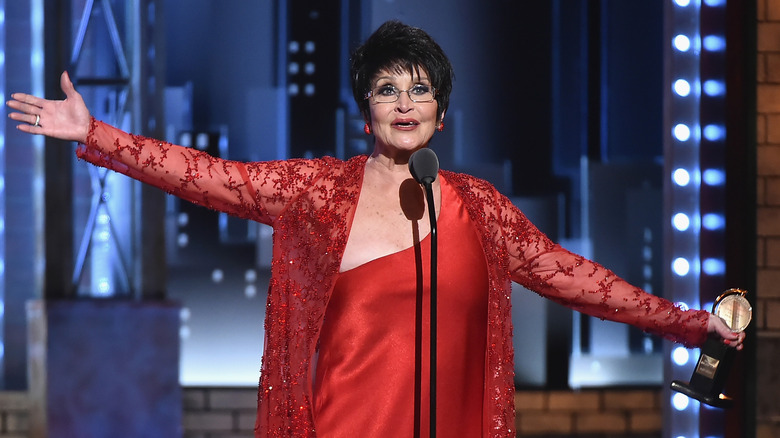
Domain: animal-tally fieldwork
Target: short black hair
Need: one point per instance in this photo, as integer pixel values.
(395, 46)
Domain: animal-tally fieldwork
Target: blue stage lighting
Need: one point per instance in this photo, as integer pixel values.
(682, 87)
(681, 177)
(681, 221)
(682, 43)
(682, 132)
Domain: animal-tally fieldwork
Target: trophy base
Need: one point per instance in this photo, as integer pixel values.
(718, 401)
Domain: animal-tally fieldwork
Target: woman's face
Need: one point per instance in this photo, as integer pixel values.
(402, 126)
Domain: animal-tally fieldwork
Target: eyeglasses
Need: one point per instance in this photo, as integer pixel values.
(388, 93)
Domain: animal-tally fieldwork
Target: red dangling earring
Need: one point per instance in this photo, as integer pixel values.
(440, 128)
(367, 129)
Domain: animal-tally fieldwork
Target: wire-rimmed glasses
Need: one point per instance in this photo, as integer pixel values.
(419, 93)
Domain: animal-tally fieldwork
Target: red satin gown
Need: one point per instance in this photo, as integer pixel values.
(369, 380)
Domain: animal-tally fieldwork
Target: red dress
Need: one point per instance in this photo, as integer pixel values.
(311, 203)
(369, 379)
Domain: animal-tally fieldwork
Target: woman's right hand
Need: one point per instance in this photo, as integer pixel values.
(718, 326)
(63, 119)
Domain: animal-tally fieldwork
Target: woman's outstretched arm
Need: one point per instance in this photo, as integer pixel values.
(257, 191)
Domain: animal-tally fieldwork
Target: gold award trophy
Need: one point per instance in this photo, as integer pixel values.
(711, 371)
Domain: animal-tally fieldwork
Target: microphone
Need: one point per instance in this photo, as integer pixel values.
(424, 166)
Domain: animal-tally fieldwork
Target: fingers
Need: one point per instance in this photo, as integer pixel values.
(23, 99)
(20, 103)
(735, 340)
(66, 119)
(26, 113)
(730, 338)
(30, 129)
(740, 342)
(725, 332)
(28, 123)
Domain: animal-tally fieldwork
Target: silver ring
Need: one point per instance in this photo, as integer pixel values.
(37, 120)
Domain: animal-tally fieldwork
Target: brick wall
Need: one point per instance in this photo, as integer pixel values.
(768, 214)
(592, 413)
(230, 413)
(14, 414)
(219, 412)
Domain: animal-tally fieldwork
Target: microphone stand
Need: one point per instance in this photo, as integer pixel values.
(434, 305)
(424, 167)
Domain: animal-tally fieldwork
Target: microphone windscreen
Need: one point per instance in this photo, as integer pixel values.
(424, 166)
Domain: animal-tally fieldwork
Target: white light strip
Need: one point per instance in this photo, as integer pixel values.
(683, 208)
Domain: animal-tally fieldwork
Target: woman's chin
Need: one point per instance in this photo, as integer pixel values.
(409, 145)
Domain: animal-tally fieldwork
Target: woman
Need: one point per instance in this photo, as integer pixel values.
(345, 349)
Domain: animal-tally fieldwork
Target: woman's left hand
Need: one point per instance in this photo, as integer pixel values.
(718, 326)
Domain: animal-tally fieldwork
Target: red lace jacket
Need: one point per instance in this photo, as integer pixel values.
(311, 203)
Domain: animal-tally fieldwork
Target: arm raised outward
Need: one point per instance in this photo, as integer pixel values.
(583, 285)
(258, 191)
(236, 188)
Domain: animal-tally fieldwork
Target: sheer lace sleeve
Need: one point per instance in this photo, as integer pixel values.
(258, 191)
(583, 285)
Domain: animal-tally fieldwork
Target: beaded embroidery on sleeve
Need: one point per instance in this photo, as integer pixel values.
(516, 250)
(310, 204)
(307, 202)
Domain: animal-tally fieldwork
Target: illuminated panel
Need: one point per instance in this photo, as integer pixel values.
(19, 61)
(695, 203)
(102, 267)
(683, 142)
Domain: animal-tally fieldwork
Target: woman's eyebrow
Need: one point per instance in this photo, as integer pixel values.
(394, 79)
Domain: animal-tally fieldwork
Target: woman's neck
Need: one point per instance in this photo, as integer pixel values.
(392, 167)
